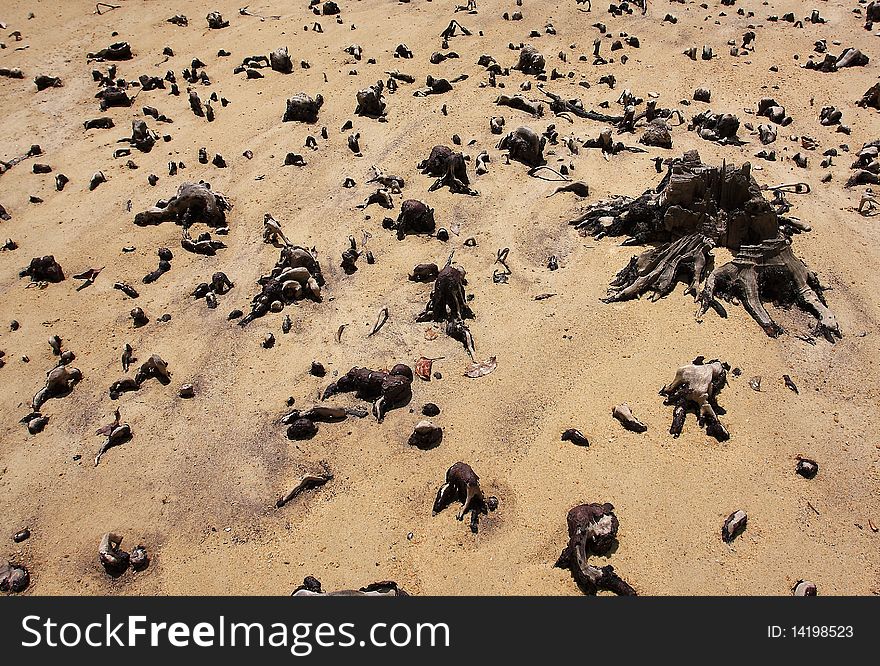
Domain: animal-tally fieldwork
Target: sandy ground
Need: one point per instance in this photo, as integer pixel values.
(197, 483)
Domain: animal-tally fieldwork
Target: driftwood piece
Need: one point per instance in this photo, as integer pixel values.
(155, 367)
(60, 380)
(381, 319)
(426, 436)
(215, 21)
(13, 577)
(624, 414)
(694, 209)
(734, 525)
(606, 143)
(850, 57)
(721, 128)
(114, 52)
(578, 188)
(520, 103)
(453, 29)
(43, 82)
(113, 96)
(592, 530)
(392, 182)
(111, 555)
(804, 588)
(272, 231)
(424, 273)
(382, 196)
(871, 98)
(438, 86)
(307, 482)
(107, 8)
(116, 433)
(142, 137)
(575, 436)
(33, 151)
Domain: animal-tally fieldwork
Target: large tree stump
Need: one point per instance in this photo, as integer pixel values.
(694, 209)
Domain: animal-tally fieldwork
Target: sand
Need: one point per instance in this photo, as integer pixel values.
(198, 481)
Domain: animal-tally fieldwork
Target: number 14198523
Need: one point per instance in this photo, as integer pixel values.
(810, 631)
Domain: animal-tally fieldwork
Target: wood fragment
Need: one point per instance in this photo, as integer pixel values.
(481, 369)
(307, 482)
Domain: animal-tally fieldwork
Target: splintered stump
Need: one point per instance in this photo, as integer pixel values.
(530, 61)
(524, 145)
(370, 101)
(416, 217)
(192, 203)
(695, 388)
(385, 389)
(295, 276)
(43, 269)
(694, 209)
(463, 485)
(448, 303)
(449, 168)
(302, 108)
(592, 530)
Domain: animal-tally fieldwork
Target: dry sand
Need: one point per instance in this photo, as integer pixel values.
(198, 482)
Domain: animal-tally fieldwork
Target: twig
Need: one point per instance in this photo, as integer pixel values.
(245, 12)
(339, 332)
(533, 172)
(813, 508)
(380, 321)
(110, 8)
(791, 188)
